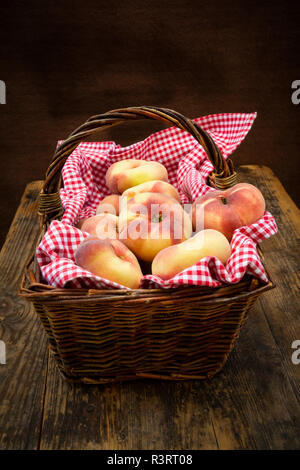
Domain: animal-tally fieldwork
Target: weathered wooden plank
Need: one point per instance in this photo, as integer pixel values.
(252, 402)
(22, 378)
(134, 415)
(281, 306)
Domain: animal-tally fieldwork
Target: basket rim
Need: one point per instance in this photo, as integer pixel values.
(204, 294)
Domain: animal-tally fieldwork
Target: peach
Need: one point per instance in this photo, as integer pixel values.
(127, 173)
(174, 259)
(225, 211)
(155, 186)
(109, 259)
(80, 223)
(101, 225)
(109, 205)
(149, 222)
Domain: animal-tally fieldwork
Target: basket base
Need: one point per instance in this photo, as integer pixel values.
(128, 378)
(96, 379)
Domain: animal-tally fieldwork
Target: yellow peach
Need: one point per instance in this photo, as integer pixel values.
(101, 225)
(174, 259)
(109, 205)
(127, 173)
(149, 222)
(80, 223)
(155, 186)
(111, 260)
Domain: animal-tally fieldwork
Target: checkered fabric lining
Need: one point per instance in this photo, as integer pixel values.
(188, 168)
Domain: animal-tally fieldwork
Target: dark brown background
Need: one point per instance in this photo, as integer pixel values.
(64, 61)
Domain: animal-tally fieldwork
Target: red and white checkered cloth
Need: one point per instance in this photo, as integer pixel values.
(188, 168)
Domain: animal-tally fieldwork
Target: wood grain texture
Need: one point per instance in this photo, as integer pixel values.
(23, 377)
(281, 307)
(252, 404)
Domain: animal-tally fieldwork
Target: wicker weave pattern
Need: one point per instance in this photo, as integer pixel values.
(108, 336)
(104, 336)
(122, 342)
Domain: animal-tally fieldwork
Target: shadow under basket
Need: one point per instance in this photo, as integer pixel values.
(102, 336)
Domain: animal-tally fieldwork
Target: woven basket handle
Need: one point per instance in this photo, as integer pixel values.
(50, 204)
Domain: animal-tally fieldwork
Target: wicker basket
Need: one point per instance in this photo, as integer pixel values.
(100, 336)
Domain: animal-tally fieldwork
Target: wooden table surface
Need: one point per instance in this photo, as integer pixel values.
(253, 403)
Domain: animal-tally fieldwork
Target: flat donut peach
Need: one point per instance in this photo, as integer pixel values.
(127, 173)
(111, 260)
(102, 226)
(149, 222)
